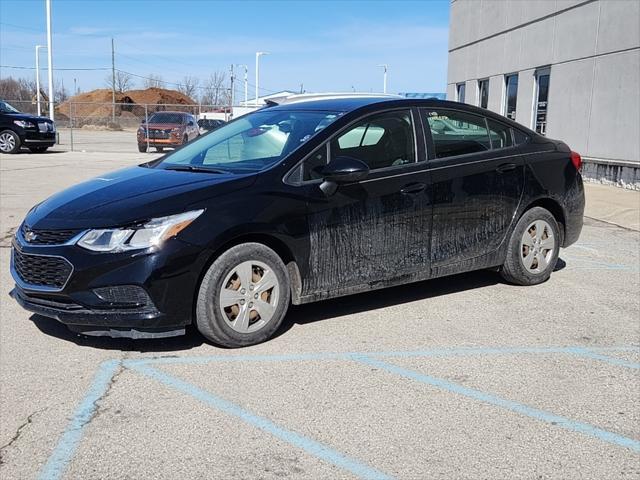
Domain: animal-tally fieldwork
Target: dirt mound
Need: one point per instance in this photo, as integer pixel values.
(98, 103)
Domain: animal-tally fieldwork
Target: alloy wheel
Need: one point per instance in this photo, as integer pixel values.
(7, 142)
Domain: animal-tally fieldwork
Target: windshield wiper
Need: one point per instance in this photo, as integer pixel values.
(195, 168)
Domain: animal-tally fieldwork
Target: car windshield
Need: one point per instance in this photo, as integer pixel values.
(6, 108)
(251, 143)
(166, 117)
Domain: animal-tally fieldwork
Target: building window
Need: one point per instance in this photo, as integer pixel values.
(543, 76)
(511, 96)
(460, 90)
(483, 93)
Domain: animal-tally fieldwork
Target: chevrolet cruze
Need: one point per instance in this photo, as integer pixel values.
(297, 203)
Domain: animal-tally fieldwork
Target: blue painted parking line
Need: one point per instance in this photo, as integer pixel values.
(516, 407)
(588, 353)
(310, 446)
(437, 352)
(68, 443)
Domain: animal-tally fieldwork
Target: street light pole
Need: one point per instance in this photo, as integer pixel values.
(246, 82)
(50, 59)
(38, 47)
(384, 78)
(258, 55)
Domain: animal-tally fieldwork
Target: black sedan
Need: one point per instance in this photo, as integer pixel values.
(293, 204)
(24, 130)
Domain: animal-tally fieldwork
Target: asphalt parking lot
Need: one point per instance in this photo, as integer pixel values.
(462, 377)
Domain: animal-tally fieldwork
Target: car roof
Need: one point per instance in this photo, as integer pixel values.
(350, 104)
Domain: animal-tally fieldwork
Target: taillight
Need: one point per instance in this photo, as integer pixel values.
(576, 159)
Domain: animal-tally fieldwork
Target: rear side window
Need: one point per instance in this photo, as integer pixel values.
(519, 138)
(500, 135)
(457, 133)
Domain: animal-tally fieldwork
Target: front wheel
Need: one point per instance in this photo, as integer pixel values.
(9, 142)
(533, 249)
(142, 147)
(243, 297)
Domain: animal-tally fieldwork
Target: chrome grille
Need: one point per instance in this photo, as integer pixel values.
(41, 270)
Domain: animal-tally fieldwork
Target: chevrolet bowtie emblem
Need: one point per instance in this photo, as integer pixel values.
(30, 235)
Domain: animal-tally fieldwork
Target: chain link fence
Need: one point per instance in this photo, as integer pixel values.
(127, 127)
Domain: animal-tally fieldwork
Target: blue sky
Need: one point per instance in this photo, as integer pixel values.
(327, 45)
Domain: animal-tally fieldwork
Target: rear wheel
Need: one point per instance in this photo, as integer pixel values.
(533, 249)
(9, 142)
(142, 148)
(243, 297)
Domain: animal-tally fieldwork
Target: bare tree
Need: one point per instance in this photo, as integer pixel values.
(215, 91)
(17, 89)
(124, 81)
(153, 80)
(189, 86)
(59, 92)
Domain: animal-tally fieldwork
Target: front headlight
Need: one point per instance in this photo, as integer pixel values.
(24, 124)
(151, 234)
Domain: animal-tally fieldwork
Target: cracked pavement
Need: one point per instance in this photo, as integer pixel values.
(143, 429)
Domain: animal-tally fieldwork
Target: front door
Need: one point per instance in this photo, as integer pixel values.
(478, 180)
(375, 230)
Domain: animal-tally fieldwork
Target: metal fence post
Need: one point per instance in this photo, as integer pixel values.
(71, 124)
(146, 124)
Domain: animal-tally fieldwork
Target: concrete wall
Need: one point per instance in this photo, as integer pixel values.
(593, 49)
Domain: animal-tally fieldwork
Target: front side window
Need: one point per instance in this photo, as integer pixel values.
(457, 133)
(252, 143)
(7, 108)
(511, 96)
(380, 141)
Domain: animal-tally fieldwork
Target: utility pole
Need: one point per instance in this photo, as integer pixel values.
(302, 88)
(231, 79)
(113, 81)
(50, 60)
(38, 100)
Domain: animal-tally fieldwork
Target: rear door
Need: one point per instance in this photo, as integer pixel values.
(477, 183)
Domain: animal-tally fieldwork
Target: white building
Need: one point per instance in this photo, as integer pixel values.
(569, 69)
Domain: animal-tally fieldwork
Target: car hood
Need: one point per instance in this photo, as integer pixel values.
(162, 126)
(131, 195)
(26, 116)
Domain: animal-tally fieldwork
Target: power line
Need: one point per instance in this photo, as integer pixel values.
(16, 67)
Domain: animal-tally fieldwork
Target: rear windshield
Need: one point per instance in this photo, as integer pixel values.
(166, 117)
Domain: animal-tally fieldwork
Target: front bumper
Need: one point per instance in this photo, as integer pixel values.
(34, 138)
(167, 277)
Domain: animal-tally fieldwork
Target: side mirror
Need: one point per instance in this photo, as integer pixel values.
(190, 123)
(342, 170)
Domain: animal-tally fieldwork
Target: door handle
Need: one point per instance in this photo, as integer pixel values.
(506, 167)
(413, 188)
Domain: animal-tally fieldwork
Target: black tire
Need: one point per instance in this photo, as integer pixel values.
(209, 317)
(142, 148)
(38, 149)
(9, 142)
(514, 270)
(159, 149)
(185, 139)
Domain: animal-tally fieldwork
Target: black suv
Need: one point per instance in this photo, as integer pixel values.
(298, 203)
(22, 129)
